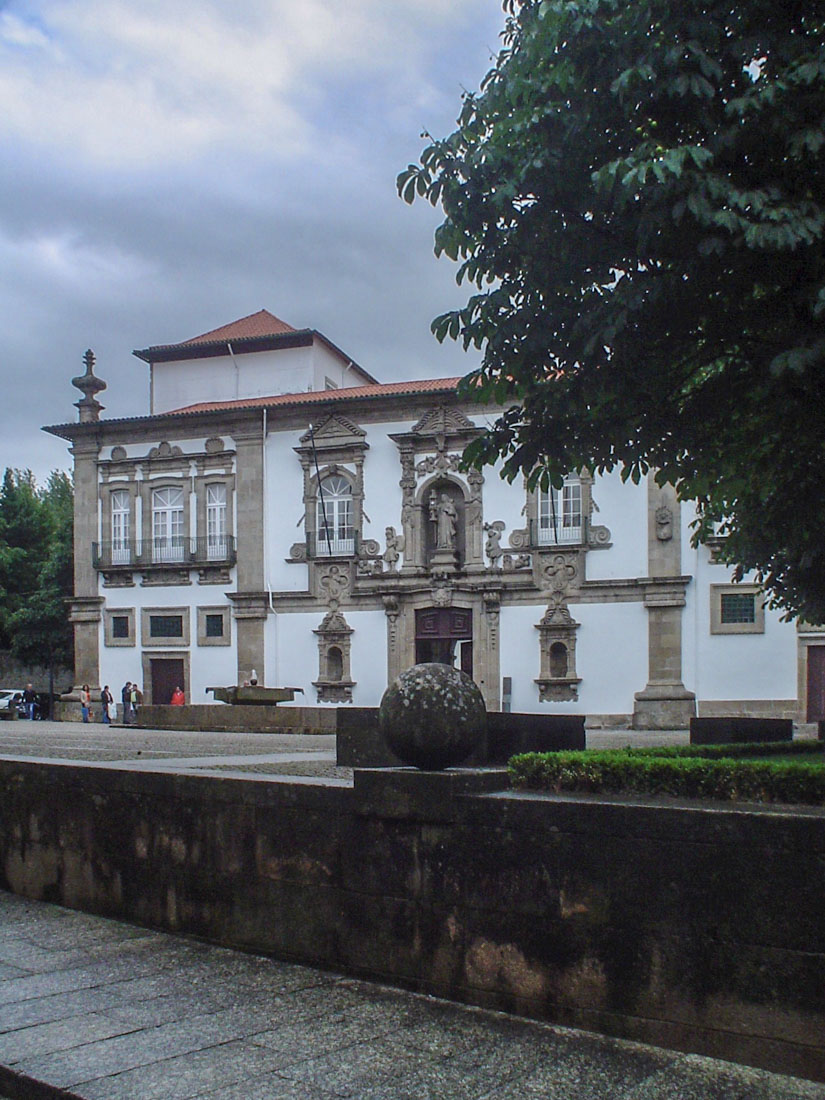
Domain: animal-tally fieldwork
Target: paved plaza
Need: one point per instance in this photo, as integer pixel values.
(104, 1010)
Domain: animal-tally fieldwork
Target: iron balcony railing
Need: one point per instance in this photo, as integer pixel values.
(339, 544)
(563, 533)
(177, 550)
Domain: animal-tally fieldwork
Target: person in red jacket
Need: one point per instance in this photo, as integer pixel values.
(177, 698)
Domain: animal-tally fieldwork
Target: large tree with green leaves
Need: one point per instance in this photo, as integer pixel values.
(637, 194)
(36, 568)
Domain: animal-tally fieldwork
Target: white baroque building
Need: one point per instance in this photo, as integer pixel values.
(280, 515)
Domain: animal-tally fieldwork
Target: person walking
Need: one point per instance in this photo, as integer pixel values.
(126, 699)
(30, 701)
(85, 702)
(137, 700)
(106, 700)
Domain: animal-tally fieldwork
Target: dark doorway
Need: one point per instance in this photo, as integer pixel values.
(166, 674)
(816, 683)
(442, 633)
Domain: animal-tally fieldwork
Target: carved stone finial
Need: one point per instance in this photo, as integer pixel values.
(88, 406)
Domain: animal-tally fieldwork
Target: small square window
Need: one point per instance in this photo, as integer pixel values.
(120, 626)
(166, 626)
(214, 626)
(737, 607)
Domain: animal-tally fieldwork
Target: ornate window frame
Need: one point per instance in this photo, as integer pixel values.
(588, 535)
(336, 447)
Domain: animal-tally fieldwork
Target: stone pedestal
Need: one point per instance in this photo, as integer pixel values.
(663, 706)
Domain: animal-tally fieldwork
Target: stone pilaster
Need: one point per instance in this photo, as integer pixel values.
(250, 601)
(85, 609)
(664, 703)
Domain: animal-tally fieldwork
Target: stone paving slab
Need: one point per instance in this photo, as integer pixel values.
(108, 1011)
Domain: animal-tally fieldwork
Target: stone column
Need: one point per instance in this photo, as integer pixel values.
(85, 608)
(250, 600)
(664, 703)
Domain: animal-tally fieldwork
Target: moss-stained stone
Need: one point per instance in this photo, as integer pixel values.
(433, 716)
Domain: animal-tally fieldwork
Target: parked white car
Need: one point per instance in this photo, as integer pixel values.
(11, 702)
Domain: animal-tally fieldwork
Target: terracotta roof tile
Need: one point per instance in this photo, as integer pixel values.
(348, 393)
(262, 323)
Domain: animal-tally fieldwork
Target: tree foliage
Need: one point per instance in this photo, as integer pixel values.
(637, 195)
(36, 567)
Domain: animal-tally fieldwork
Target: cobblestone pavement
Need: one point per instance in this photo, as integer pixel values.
(109, 1011)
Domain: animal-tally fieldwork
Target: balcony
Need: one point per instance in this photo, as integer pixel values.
(565, 532)
(340, 544)
(178, 551)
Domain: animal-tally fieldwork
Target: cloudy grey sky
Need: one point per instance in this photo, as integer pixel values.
(167, 167)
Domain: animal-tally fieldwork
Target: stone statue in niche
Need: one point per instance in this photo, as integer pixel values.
(443, 513)
(395, 547)
(664, 524)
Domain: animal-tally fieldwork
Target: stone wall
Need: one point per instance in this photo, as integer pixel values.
(694, 927)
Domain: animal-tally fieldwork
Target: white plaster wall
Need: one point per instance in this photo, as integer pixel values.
(369, 656)
(259, 374)
(284, 510)
(382, 474)
(209, 665)
(611, 657)
(292, 654)
(326, 364)
(733, 666)
(622, 509)
(504, 502)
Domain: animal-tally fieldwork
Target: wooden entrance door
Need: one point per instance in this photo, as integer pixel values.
(816, 683)
(440, 632)
(167, 674)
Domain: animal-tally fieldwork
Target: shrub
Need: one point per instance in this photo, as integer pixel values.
(716, 771)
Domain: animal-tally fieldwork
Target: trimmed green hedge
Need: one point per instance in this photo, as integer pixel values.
(727, 772)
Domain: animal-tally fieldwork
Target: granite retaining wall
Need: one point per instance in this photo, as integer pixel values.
(694, 927)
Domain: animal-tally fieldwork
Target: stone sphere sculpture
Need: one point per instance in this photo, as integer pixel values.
(432, 716)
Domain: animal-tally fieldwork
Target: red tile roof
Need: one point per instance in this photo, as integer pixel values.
(262, 323)
(347, 393)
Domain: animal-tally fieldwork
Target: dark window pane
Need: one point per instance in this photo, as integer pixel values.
(738, 607)
(166, 626)
(214, 626)
(120, 626)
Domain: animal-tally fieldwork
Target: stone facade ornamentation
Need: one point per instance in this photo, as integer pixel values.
(334, 683)
(664, 524)
(492, 547)
(88, 406)
(442, 590)
(394, 549)
(333, 582)
(557, 680)
(559, 572)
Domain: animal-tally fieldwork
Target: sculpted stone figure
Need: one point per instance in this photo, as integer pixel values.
(395, 547)
(446, 517)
